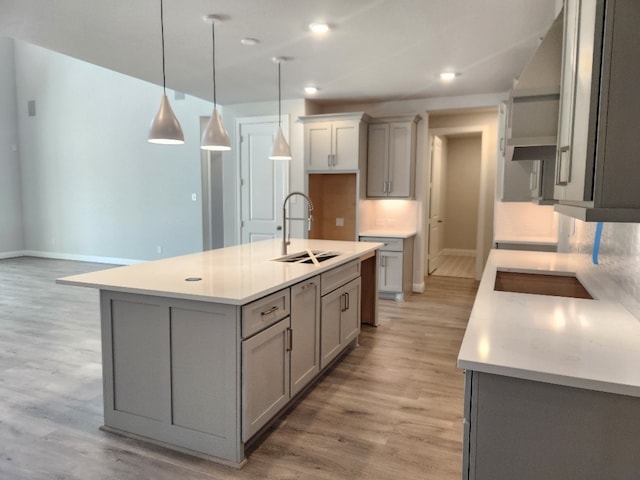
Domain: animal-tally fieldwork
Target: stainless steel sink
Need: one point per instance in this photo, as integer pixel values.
(306, 257)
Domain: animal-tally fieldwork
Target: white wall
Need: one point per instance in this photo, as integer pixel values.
(11, 226)
(92, 186)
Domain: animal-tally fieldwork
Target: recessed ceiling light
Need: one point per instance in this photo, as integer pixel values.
(310, 90)
(448, 76)
(319, 27)
(249, 41)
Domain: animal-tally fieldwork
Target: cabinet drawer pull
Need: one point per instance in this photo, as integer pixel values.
(329, 160)
(347, 301)
(308, 285)
(289, 339)
(269, 311)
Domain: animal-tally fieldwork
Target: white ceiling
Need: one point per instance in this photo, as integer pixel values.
(377, 50)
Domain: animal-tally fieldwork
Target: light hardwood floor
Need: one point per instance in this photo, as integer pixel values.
(391, 409)
(456, 266)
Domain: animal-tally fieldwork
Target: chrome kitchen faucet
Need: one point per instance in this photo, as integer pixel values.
(286, 241)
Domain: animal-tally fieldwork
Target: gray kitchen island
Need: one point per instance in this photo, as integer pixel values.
(202, 352)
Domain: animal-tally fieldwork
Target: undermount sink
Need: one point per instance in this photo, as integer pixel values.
(305, 257)
(558, 285)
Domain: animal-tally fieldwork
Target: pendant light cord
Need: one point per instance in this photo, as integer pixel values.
(213, 42)
(164, 78)
(279, 98)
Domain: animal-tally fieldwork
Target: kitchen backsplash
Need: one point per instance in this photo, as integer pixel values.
(389, 215)
(619, 254)
(524, 220)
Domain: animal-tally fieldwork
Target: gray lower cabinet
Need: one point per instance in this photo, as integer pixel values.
(516, 428)
(265, 376)
(340, 320)
(395, 266)
(207, 377)
(305, 333)
(155, 386)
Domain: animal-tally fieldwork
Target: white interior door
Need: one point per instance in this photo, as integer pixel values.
(263, 182)
(436, 206)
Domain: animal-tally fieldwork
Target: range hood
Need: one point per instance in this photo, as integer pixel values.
(535, 100)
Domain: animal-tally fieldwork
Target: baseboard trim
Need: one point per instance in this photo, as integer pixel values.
(15, 254)
(460, 252)
(80, 258)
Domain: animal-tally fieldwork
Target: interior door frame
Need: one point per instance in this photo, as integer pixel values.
(238, 127)
(483, 206)
(429, 213)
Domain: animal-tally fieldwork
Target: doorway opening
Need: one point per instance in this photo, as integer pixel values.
(456, 208)
(455, 171)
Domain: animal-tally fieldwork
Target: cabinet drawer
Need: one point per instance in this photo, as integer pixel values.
(266, 311)
(390, 244)
(333, 279)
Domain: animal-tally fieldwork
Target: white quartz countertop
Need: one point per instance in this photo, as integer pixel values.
(592, 344)
(388, 233)
(233, 275)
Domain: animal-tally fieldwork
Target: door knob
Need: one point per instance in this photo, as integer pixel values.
(279, 227)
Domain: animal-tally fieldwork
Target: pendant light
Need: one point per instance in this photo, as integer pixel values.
(281, 150)
(165, 128)
(214, 137)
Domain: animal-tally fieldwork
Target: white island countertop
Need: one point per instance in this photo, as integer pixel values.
(592, 344)
(233, 275)
(388, 233)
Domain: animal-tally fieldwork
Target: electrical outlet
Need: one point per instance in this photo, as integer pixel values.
(339, 222)
(159, 249)
(194, 197)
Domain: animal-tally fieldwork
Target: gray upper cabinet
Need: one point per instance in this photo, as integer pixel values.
(335, 142)
(391, 157)
(597, 162)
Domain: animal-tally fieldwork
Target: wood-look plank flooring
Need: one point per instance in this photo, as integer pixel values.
(392, 408)
(463, 266)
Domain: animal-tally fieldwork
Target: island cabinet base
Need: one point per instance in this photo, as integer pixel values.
(204, 377)
(530, 430)
(171, 372)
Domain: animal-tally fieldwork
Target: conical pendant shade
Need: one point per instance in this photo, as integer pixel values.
(281, 150)
(215, 137)
(165, 128)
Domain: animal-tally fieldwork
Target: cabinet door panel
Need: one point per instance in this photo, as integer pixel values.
(318, 145)
(305, 326)
(567, 87)
(332, 305)
(141, 359)
(350, 318)
(345, 145)
(582, 154)
(203, 375)
(400, 160)
(265, 377)
(377, 160)
(390, 271)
